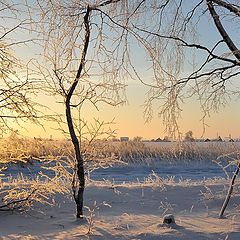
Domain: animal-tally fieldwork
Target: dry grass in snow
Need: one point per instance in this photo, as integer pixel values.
(132, 211)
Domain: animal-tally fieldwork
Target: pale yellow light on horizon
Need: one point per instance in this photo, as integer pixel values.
(129, 119)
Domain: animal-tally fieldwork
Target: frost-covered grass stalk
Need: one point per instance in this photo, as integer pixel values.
(21, 192)
(55, 160)
(92, 210)
(53, 165)
(171, 152)
(102, 153)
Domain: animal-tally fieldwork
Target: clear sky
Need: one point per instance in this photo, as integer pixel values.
(129, 120)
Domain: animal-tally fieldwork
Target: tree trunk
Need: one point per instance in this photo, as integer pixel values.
(221, 29)
(80, 168)
(78, 197)
(227, 199)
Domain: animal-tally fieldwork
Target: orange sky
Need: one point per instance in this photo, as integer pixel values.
(129, 120)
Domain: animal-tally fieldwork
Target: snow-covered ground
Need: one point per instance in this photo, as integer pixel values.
(129, 202)
(127, 209)
(133, 172)
(135, 213)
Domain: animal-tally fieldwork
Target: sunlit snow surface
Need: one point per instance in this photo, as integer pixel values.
(133, 172)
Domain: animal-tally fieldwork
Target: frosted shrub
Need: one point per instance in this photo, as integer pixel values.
(92, 213)
(99, 154)
(15, 149)
(22, 193)
(155, 181)
(54, 165)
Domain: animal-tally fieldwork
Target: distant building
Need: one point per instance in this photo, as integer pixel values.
(166, 139)
(219, 139)
(115, 139)
(124, 139)
(230, 138)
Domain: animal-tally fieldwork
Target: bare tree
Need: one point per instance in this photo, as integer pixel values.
(187, 63)
(89, 55)
(17, 85)
(189, 136)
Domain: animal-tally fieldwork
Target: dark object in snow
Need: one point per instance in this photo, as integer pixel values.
(168, 219)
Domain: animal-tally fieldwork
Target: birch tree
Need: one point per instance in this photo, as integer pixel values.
(90, 48)
(198, 57)
(88, 54)
(16, 85)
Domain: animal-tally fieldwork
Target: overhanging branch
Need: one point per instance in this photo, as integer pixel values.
(222, 31)
(228, 6)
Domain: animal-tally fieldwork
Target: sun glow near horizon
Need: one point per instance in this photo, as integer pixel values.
(128, 119)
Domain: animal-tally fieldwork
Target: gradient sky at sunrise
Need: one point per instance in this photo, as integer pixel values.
(128, 118)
